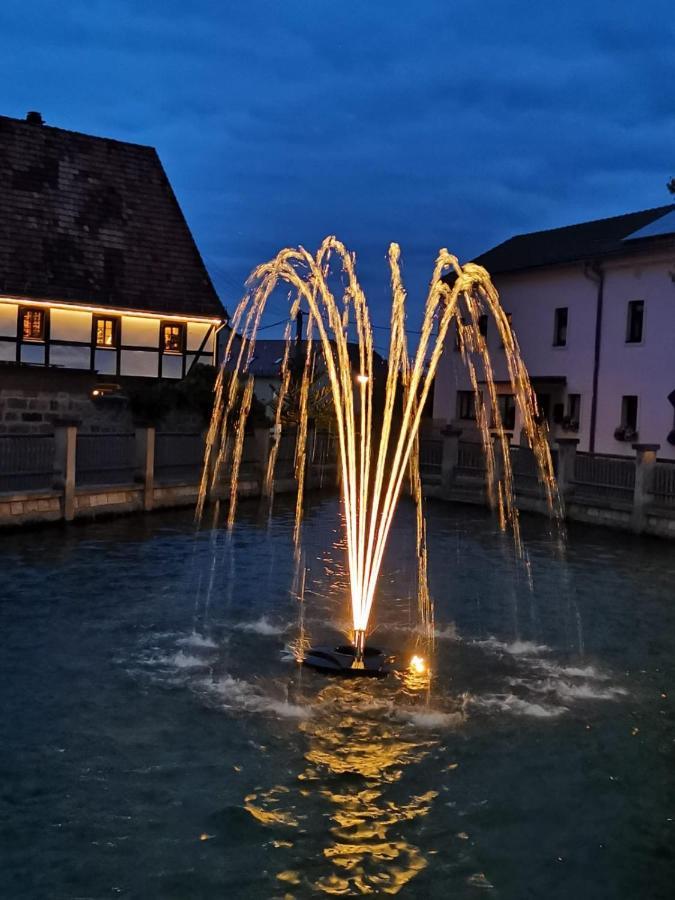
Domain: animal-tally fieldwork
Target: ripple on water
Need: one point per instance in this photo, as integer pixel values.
(235, 693)
(263, 626)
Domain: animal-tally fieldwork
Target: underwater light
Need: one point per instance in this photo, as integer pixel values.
(417, 664)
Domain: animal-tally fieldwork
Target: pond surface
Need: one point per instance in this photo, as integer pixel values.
(158, 741)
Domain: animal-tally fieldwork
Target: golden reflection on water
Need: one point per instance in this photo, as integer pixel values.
(358, 751)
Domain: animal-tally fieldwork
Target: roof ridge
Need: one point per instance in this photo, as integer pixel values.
(84, 134)
(669, 207)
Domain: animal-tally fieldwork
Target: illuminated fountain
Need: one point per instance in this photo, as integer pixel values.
(376, 453)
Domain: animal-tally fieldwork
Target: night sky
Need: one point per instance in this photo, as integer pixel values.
(434, 124)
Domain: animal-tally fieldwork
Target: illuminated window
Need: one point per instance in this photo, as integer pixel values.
(33, 324)
(106, 332)
(173, 338)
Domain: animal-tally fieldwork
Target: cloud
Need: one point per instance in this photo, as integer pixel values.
(429, 123)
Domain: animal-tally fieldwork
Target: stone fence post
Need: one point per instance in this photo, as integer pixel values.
(449, 458)
(645, 464)
(65, 450)
(262, 437)
(145, 463)
(567, 454)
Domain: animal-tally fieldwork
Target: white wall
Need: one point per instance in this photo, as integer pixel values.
(647, 369)
(140, 335)
(70, 325)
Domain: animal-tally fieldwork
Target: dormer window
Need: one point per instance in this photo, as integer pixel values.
(33, 325)
(173, 338)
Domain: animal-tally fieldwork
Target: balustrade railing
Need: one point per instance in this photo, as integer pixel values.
(105, 459)
(29, 463)
(604, 477)
(525, 468)
(663, 488)
(431, 459)
(470, 459)
(26, 462)
(179, 457)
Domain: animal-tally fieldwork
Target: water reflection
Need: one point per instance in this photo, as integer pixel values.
(359, 759)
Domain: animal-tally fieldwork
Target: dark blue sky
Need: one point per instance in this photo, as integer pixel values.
(431, 123)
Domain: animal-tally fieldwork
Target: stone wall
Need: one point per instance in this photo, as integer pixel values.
(33, 399)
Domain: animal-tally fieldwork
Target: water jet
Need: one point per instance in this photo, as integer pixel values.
(377, 451)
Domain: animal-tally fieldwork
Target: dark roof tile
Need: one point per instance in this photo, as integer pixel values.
(92, 220)
(574, 243)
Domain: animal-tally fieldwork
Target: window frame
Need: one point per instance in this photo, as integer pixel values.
(182, 329)
(115, 335)
(509, 319)
(558, 327)
(468, 414)
(21, 337)
(632, 306)
(633, 426)
(510, 423)
(574, 406)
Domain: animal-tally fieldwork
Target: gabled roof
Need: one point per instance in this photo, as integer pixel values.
(574, 243)
(269, 353)
(90, 220)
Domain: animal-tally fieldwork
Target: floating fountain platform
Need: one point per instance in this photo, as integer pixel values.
(343, 661)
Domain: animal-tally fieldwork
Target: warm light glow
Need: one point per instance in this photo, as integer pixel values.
(417, 664)
(378, 448)
(58, 304)
(95, 393)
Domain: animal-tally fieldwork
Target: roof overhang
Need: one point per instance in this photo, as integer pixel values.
(535, 381)
(112, 310)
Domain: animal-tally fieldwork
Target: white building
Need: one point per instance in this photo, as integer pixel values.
(593, 308)
(98, 270)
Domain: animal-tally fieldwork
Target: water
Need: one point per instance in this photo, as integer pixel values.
(377, 439)
(156, 744)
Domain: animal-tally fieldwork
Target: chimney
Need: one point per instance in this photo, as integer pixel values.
(34, 118)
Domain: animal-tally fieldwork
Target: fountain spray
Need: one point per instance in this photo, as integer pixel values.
(374, 457)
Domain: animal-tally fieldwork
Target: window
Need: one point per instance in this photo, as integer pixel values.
(32, 324)
(570, 421)
(509, 319)
(458, 329)
(105, 331)
(506, 403)
(466, 405)
(629, 406)
(483, 325)
(544, 407)
(560, 327)
(173, 338)
(636, 312)
(573, 407)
